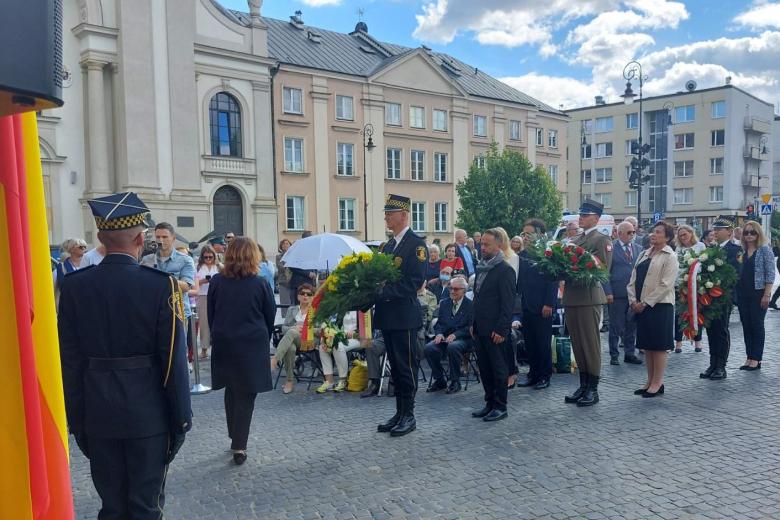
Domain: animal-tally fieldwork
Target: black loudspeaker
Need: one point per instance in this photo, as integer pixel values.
(30, 55)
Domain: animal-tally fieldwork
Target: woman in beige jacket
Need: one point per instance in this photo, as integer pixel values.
(651, 299)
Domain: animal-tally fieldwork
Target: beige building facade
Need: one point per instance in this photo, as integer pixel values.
(711, 154)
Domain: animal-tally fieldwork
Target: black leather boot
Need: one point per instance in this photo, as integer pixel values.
(574, 397)
(710, 369)
(389, 425)
(720, 369)
(407, 424)
(591, 395)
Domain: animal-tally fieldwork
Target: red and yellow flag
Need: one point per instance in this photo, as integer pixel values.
(34, 479)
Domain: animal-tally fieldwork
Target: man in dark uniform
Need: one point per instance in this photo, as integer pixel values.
(124, 365)
(398, 315)
(718, 335)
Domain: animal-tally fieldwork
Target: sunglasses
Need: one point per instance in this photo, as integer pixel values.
(82, 247)
(750, 232)
(305, 294)
(207, 257)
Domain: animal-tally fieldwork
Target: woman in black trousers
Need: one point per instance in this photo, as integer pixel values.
(241, 313)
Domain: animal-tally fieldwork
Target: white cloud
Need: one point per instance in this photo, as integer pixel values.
(321, 3)
(762, 15)
(557, 91)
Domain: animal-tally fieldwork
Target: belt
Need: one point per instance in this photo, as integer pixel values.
(124, 363)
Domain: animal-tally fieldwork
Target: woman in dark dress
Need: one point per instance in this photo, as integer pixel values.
(241, 312)
(651, 298)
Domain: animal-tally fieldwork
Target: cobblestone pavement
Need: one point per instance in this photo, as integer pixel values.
(706, 449)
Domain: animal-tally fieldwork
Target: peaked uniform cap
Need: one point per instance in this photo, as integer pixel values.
(397, 203)
(591, 207)
(723, 222)
(118, 211)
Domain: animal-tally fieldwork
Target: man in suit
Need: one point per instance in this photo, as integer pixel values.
(539, 298)
(621, 327)
(478, 244)
(718, 334)
(583, 307)
(494, 298)
(463, 252)
(453, 337)
(398, 315)
(124, 365)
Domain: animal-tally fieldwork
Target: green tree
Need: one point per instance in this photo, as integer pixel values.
(506, 192)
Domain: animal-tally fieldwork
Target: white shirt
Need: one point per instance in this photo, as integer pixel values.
(589, 231)
(723, 244)
(203, 288)
(399, 237)
(91, 257)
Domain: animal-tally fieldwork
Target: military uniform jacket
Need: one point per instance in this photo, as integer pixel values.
(597, 244)
(123, 350)
(397, 307)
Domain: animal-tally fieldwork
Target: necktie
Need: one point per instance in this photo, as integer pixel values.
(390, 246)
(628, 254)
(455, 308)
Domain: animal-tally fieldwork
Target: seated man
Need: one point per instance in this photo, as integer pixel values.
(374, 355)
(452, 337)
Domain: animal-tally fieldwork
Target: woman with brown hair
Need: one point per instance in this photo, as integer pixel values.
(241, 312)
(651, 299)
(687, 241)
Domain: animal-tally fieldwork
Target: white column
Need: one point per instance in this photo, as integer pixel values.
(264, 208)
(97, 146)
(460, 150)
(499, 127)
(321, 168)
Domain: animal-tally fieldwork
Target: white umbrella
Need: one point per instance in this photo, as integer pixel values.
(322, 252)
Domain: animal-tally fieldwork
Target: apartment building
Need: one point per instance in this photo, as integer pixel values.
(429, 117)
(711, 154)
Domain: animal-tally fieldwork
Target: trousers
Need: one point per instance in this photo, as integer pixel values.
(339, 355)
(239, 407)
(285, 351)
(129, 476)
(620, 327)
(401, 348)
(491, 359)
(454, 351)
(537, 332)
(203, 322)
(719, 338)
(752, 317)
(583, 325)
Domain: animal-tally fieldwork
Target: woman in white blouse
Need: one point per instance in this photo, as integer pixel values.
(687, 241)
(207, 267)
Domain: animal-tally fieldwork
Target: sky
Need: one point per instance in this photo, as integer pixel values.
(565, 52)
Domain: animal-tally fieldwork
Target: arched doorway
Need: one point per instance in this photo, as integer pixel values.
(228, 211)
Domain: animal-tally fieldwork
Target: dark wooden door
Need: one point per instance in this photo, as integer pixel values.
(228, 211)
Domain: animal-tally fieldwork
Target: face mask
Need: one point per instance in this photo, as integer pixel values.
(445, 277)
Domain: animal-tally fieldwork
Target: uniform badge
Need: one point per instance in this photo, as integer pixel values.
(421, 254)
(739, 257)
(176, 304)
(397, 261)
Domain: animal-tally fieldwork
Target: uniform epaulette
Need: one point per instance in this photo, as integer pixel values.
(155, 270)
(79, 271)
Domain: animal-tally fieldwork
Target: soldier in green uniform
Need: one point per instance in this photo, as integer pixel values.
(584, 305)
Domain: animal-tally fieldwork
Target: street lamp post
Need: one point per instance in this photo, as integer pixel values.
(368, 145)
(638, 164)
(583, 143)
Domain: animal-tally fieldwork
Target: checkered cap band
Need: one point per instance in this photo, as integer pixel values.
(396, 205)
(129, 221)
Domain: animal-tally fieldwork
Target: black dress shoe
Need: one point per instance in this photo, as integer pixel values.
(591, 395)
(389, 425)
(239, 458)
(707, 373)
(495, 415)
(371, 390)
(745, 367)
(750, 369)
(614, 361)
(660, 391)
(542, 384)
(482, 413)
(526, 382)
(437, 385)
(454, 387)
(718, 373)
(407, 424)
(577, 394)
(632, 360)
(640, 391)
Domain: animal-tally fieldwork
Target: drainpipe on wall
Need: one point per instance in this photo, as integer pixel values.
(273, 71)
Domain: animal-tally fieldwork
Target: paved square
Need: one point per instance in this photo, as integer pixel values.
(706, 449)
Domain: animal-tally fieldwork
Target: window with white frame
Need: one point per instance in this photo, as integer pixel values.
(603, 150)
(587, 126)
(632, 120)
(718, 138)
(514, 130)
(345, 108)
(683, 141)
(295, 213)
(293, 154)
(716, 193)
(605, 199)
(345, 154)
(440, 120)
(417, 117)
(394, 163)
(418, 216)
(586, 176)
(440, 217)
(539, 136)
(587, 151)
(603, 175)
(718, 109)
(631, 145)
(440, 167)
(630, 198)
(347, 215)
(683, 168)
(480, 161)
(552, 170)
(685, 114)
(628, 173)
(417, 165)
(683, 196)
(480, 126)
(393, 114)
(552, 138)
(293, 100)
(716, 166)
(604, 124)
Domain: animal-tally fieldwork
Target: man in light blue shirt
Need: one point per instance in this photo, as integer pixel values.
(464, 252)
(167, 259)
